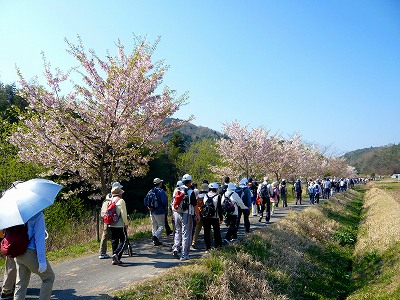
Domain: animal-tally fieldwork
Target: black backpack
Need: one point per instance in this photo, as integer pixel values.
(283, 190)
(227, 206)
(264, 192)
(208, 209)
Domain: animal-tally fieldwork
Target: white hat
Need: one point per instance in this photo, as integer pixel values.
(157, 181)
(179, 183)
(243, 181)
(266, 179)
(117, 191)
(116, 184)
(213, 185)
(187, 177)
(231, 187)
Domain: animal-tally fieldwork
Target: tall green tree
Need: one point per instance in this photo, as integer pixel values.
(199, 159)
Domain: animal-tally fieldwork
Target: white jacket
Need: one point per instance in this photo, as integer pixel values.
(236, 200)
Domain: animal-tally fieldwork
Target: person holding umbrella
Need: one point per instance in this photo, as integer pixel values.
(34, 261)
(23, 203)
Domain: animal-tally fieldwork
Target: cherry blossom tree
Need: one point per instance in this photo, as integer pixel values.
(106, 127)
(243, 151)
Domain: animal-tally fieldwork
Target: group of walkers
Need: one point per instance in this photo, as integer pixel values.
(206, 208)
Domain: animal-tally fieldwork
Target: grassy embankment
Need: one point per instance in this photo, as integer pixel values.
(377, 253)
(305, 256)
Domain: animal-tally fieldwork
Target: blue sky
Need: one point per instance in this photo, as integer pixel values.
(329, 70)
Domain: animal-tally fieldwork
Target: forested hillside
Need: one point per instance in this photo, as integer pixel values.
(376, 160)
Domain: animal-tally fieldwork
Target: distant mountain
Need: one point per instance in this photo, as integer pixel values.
(383, 160)
(192, 133)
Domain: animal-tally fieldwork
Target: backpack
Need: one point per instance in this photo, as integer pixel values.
(283, 190)
(227, 206)
(273, 193)
(15, 241)
(181, 200)
(297, 186)
(111, 216)
(311, 190)
(208, 209)
(151, 200)
(239, 191)
(264, 192)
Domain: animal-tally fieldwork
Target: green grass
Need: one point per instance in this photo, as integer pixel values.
(300, 257)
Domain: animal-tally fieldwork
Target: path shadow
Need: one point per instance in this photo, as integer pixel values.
(67, 294)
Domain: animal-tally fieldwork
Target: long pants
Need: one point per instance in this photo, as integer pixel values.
(284, 200)
(214, 223)
(298, 197)
(183, 233)
(246, 215)
(232, 229)
(311, 198)
(266, 205)
(199, 225)
(254, 209)
(158, 223)
(104, 239)
(327, 193)
(10, 275)
(317, 197)
(27, 263)
(168, 229)
(119, 240)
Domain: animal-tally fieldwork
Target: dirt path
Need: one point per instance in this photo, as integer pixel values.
(89, 277)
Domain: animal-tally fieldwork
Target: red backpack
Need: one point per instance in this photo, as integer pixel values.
(111, 216)
(15, 241)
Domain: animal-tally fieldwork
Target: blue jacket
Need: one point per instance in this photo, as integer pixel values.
(36, 233)
(162, 202)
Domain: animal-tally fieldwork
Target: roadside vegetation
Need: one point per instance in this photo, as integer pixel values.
(305, 256)
(377, 253)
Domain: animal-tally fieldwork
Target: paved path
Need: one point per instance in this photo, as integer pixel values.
(89, 277)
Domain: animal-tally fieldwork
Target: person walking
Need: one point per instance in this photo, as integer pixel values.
(157, 210)
(119, 236)
(283, 192)
(10, 275)
(311, 192)
(274, 198)
(34, 261)
(298, 191)
(264, 191)
(212, 216)
(245, 195)
(253, 190)
(9, 279)
(232, 218)
(204, 188)
(184, 208)
(106, 235)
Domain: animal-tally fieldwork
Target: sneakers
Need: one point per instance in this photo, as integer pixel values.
(7, 296)
(260, 219)
(194, 246)
(101, 256)
(156, 242)
(115, 260)
(184, 258)
(175, 254)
